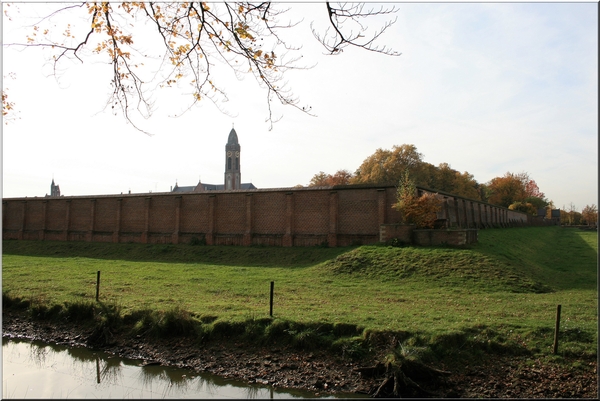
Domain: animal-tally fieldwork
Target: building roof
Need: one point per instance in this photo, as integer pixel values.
(177, 188)
(213, 187)
(210, 187)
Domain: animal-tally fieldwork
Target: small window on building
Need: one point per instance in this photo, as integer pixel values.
(229, 163)
(237, 163)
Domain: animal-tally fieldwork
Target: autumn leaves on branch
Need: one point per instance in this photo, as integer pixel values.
(193, 40)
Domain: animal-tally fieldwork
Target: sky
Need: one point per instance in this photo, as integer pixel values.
(488, 88)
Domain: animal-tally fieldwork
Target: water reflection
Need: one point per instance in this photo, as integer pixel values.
(39, 370)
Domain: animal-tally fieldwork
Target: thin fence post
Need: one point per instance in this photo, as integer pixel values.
(97, 285)
(271, 302)
(97, 369)
(556, 327)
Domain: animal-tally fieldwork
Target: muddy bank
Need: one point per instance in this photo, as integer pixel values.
(279, 366)
(317, 371)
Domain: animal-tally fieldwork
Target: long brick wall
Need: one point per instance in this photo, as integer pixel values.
(336, 216)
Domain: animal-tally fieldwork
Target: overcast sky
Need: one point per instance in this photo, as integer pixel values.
(488, 88)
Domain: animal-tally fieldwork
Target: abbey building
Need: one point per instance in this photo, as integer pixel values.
(233, 173)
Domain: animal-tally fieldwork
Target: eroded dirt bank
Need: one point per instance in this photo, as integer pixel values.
(282, 366)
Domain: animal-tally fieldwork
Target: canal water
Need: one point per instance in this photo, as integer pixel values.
(39, 370)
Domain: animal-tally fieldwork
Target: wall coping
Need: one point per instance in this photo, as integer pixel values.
(258, 190)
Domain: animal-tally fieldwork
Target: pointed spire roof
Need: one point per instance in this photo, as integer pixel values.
(233, 139)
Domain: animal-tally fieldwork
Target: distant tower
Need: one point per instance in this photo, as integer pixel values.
(54, 189)
(233, 175)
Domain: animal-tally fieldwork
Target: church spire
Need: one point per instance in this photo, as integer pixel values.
(232, 162)
(233, 138)
(54, 189)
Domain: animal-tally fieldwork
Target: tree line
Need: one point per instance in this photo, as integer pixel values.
(570, 216)
(516, 191)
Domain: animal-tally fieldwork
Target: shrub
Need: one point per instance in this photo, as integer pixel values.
(524, 207)
(418, 210)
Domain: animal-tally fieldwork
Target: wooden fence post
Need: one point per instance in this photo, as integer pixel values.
(97, 285)
(271, 301)
(556, 327)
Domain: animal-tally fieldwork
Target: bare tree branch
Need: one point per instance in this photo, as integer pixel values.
(194, 38)
(352, 14)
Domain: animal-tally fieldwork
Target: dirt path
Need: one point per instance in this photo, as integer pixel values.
(282, 366)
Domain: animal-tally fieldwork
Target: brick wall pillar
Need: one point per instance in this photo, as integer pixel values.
(44, 214)
(210, 235)
(175, 236)
(67, 220)
(90, 234)
(247, 239)
(465, 213)
(486, 210)
(381, 209)
(483, 217)
(147, 220)
(333, 219)
(288, 239)
(23, 216)
(117, 230)
(473, 221)
(457, 212)
(445, 211)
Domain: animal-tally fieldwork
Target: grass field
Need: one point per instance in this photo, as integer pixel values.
(503, 290)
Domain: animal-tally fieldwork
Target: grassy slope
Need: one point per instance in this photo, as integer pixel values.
(504, 288)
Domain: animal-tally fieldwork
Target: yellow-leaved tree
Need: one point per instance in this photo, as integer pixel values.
(418, 210)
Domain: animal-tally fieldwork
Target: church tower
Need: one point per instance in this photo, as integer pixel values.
(54, 189)
(233, 175)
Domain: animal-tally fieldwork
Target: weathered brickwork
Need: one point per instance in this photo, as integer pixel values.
(460, 237)
(35, 215)
(336, 216)
(133, 215)
(106, 216)
(197, 217)
(271, 207)
(80, 220)
(55, 215)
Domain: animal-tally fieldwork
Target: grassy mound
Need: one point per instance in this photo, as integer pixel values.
(435, 266)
